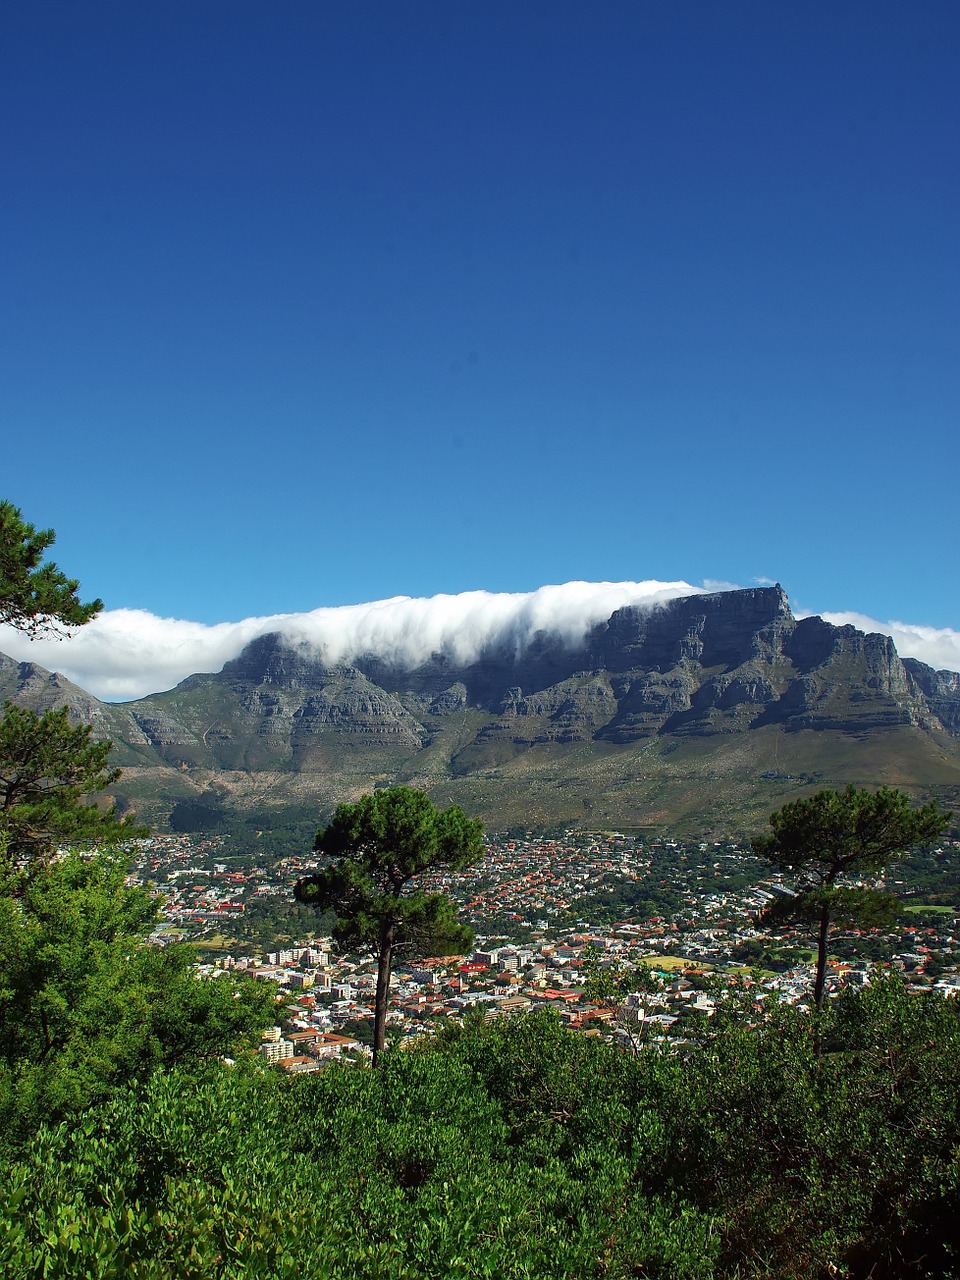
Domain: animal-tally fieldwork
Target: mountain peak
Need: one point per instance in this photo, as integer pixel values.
(698, 705)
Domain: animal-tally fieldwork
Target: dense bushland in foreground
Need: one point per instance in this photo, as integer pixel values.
(513, 1148)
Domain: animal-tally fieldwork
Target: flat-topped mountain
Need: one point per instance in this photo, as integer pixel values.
(706, 709)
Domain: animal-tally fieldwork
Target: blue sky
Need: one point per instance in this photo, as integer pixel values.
(312, 304)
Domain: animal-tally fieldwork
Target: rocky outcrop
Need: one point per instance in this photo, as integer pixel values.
(708, 666)
(32, 686)
(571, 711)
(449, 701)
(275, 704)
(940, 690)
(699, 666)
(720, 630)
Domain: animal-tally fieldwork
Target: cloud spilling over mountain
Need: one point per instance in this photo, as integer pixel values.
(128, 653)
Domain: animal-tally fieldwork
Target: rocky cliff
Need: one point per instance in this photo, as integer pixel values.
(940, 690)
(700, 665)
(708, 679)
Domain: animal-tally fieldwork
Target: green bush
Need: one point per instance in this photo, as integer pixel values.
(515, 1149)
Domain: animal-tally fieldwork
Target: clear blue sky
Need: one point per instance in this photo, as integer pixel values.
(314, 303)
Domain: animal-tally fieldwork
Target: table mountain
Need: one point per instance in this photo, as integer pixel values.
(704, 712)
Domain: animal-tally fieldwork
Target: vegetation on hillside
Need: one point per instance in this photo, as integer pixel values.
(515, 1149)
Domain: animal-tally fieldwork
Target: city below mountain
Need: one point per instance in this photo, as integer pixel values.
(701, 714)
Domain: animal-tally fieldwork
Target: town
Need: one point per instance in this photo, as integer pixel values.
(549, 914)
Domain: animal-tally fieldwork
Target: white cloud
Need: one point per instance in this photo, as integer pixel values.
(128, 653)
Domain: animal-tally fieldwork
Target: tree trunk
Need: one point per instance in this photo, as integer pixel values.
(383, 991)
(818, 990)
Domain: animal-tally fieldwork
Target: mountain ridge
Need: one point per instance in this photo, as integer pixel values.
(555, 730)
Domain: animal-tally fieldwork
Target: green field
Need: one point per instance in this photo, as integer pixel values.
(668, 964)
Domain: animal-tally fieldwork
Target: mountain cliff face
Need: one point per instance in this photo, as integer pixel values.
(940, 689)
(270, 708)
(40, 690)
(698, 666)
(716, 678)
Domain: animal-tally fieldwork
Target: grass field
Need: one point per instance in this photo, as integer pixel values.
(670, 964)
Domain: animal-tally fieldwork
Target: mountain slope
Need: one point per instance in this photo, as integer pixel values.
(704, 711)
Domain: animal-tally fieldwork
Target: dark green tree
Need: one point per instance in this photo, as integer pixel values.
(833, 840)
(87, 1004)
(48, 772)
(35, 597)
(379, 848)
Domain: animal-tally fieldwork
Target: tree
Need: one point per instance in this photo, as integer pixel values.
(628, 993)
(835, 837)
(379, 847)
(87, 1004)
(35, 597)
(48, 769)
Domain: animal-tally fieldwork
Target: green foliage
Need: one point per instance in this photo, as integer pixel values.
(843, 833)
(609, 983)
(48, 770)
(932, 876)
(360, 1028)
(397, 833)
(35, 597)
(854, 906)
(516, 1149)
(85, 1005)
(269, 920)
(423, 923)
(676, 873)
(401, 1173)
(378, 847)
(198, 813)
(835, 836)
(842, 1162)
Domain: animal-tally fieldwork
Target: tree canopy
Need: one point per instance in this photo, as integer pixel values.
(378, 847)
(48, 768)
(35, 596)
(86, 1004)
(517, 1149)
(48, 771)
(832, 838)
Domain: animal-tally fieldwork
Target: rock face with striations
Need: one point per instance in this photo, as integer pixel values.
(701, 674)
(39, 690)
(940, 689)
(272, 707)
(696, 666)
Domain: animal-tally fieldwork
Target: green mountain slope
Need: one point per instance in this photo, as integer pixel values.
(703, 714)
